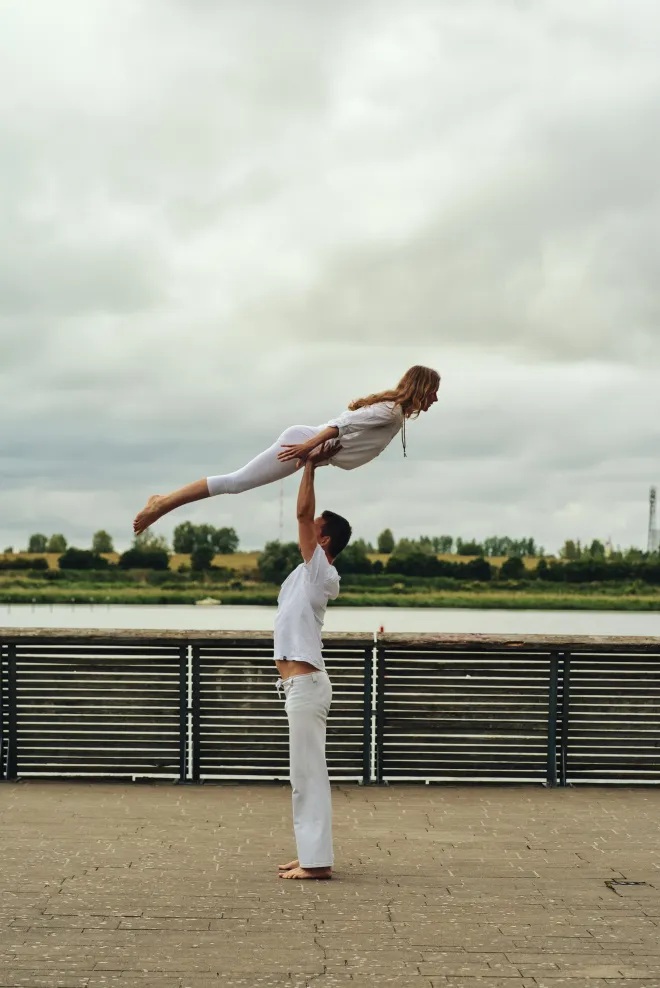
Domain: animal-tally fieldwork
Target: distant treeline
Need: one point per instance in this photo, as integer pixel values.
(278, 559)
(418, 558)
(188, 539)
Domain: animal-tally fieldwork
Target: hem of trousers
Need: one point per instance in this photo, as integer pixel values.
(331, 865)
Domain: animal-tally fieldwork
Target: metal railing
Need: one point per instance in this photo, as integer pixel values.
(199, 706)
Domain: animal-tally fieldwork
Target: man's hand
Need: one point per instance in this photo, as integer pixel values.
(324, 453)
(297, 451)
(301, 451)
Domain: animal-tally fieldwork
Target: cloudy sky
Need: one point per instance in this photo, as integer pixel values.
(223, 218)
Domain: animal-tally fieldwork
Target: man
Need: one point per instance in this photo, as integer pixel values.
(298, 655)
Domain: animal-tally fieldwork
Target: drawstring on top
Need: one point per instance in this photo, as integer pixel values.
(403, 436)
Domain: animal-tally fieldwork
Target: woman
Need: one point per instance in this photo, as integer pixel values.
(359, 435)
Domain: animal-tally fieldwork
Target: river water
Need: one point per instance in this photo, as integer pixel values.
(360, 619)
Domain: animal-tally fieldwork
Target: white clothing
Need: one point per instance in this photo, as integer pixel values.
(308, 699)
(301, 609)
(363, 434)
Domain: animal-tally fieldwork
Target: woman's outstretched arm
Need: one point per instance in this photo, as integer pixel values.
(367, 417)
(300, 451)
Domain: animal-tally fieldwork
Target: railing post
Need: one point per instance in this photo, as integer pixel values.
(3, 729)
(551, 777)
(183, 714)
(367, 716)
(565, 714)
(12, 717)
(380, 712)
(195, 713)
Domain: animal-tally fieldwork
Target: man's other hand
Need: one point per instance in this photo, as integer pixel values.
(324, 453)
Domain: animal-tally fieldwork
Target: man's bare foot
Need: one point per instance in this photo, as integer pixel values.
(318, 873)
(151, 512)
(290, 866)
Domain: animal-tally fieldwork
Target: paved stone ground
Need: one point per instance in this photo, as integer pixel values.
(120, 886)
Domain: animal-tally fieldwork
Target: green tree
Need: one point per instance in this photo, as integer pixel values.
(353, 559)
(471, 548)
(188, 537)
(139, 558)
(541, 570)
(277, 560)
(225, 541)
(386, 541)
(596, 550)
(146, 542)
(570, 550)
(81, 559)
(37, 543)
(444, 544)
(56, 543)
(201, 558)
(411, 560)
(512, 568)
(183, 538)
(102, 542)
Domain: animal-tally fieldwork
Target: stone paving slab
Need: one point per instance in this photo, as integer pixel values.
(158, 886)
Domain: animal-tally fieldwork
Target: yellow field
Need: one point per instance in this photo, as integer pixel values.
(243, 561)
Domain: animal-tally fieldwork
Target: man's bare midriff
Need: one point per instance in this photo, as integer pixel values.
(288, 668)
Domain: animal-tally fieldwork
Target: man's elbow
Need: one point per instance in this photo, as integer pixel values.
(304, 516)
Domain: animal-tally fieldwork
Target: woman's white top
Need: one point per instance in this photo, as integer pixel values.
(301, 609)
(365, 433)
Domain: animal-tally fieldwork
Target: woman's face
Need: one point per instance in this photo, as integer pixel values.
(430, 398)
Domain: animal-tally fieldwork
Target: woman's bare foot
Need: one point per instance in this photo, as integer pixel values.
(290, 866)
(318, 873)
(152, 511)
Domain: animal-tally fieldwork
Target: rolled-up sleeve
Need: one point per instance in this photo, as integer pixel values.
(363, 418)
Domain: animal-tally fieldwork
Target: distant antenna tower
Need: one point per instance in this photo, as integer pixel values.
(654, 541)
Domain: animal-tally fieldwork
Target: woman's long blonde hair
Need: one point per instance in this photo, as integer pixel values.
(410, 392)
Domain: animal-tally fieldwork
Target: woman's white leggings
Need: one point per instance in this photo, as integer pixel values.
(264, 468)
(308, 699)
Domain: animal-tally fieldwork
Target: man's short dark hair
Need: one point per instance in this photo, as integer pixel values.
(338, 531)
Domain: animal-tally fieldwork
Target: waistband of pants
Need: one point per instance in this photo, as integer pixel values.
(281, 684)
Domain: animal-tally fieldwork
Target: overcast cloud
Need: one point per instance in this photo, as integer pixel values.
(219, 219)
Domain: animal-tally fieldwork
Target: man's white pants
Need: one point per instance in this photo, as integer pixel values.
(308, 699)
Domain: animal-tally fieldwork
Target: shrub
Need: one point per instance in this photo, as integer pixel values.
(143, 559)
(82, 559)
(277, 560)
(201, 558)
(512, 569)
(22, 563)
(353, 559)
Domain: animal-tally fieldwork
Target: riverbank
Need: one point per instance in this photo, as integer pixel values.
(595, 598)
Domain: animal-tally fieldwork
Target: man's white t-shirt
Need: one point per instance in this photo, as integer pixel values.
(301, 609)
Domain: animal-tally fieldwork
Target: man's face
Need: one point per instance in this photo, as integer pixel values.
(322, 539)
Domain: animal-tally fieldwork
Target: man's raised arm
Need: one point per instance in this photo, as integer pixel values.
(306, 507)
(305, 512)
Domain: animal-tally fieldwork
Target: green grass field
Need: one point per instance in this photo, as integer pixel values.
(488, 598)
